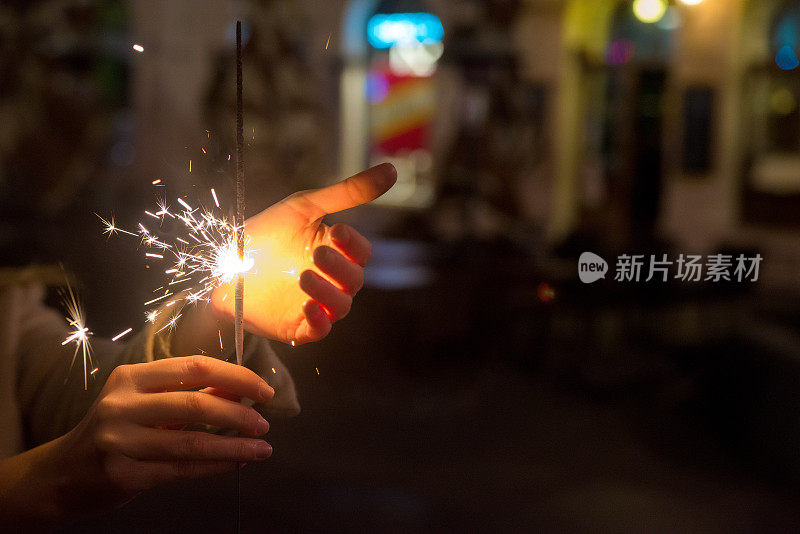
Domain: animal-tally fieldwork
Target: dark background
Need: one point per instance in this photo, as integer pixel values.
(477, 383)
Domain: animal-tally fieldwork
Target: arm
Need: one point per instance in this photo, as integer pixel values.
(131, 440)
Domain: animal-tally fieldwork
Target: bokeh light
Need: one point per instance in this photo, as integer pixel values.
(376, 87)
(786, 58)
(649, 11)
(620, 52)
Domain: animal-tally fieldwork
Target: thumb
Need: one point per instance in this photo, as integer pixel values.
(364, 187)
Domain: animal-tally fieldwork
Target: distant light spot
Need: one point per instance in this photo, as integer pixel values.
(786, 58)
(139, 48)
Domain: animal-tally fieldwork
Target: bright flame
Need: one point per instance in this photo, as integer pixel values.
(228, 265)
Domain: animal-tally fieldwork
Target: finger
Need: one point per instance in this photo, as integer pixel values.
(189, 445)
(195, 407)
(364, 187)
(350, 243)
(191, 372)
(317, 324)
(332, 299)
(221, 394)
(346, 274)
(152, 473)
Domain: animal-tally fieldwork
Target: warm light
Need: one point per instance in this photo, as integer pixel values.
(649, 11)
(139, 48)
(691, 2)
(228, 265)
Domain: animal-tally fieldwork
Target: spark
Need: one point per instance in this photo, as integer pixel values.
(128, 331)
(317, 368)
(171, 323)
(156, 182)
(149, 302)
(274, 371)
(151, 316)
(139, 48)
(293, 343)
(111, 227)
(201, 253)
(329, 41)
(203, 149)
(220, 339)
(79, 334)
(190, 165)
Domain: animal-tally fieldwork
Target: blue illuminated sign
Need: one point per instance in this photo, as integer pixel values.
(386, 30)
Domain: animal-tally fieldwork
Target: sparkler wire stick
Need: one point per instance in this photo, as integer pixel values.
(239, 223)
(239, 306)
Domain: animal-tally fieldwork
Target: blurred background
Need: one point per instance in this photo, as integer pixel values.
(477, 384)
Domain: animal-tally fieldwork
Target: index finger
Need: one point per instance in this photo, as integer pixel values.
(364, 187)
(189, 372)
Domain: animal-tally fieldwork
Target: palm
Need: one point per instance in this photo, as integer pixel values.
(283, 239)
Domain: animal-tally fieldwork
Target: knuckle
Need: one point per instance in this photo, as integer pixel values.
(346, 305)
(110, 408)
(197, 366)
(359, 282)
(195, 407)
(355, 192)
(249, 419)
(119, 375)
(242, 449)
(185, 470)
(194, 446)
(122, 475)
(367, 252)
(106, 440)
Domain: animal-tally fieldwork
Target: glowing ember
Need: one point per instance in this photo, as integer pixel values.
(123, 333)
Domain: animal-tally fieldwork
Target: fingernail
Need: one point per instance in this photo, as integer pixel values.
(263, 450)
(266, 393)
(262, 426)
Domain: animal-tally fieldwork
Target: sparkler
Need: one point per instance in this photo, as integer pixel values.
(240, 241)
(79, 335)
(200, 256)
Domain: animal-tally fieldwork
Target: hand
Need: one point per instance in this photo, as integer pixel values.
(130, 439)
(291, 245)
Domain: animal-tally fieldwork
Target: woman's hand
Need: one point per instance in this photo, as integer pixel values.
(305, 273)
(131, 438)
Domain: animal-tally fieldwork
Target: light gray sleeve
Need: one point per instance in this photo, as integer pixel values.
(52, 397)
